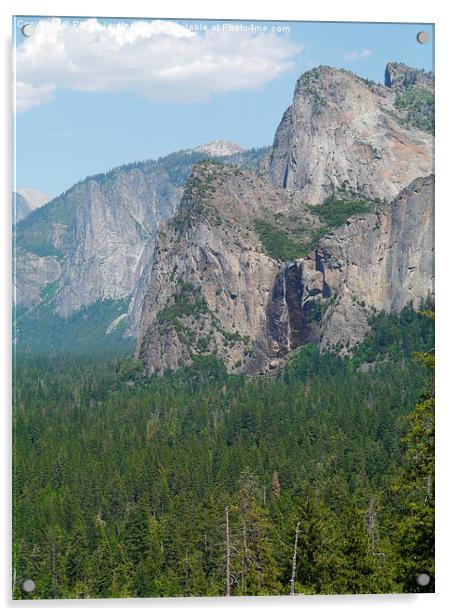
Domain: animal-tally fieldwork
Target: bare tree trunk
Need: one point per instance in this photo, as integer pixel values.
(228, 572)
(293, 571)
(244, 557)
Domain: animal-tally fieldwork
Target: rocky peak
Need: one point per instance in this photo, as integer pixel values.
(217, 286)
(33, 197)
(25, 200)
(400, 77)
(344, 131)
(219, 147)
(213, 276)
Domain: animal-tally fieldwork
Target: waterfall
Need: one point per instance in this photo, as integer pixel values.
(286, 307)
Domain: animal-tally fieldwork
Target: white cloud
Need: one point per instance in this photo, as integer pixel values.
(160, 60)
(360, 54)
(29, 95)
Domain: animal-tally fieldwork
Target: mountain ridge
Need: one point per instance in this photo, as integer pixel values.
(96, 243)
(214, 287)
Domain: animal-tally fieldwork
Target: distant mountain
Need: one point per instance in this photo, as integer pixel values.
(219, 147)
(25, 200)
(93, 245)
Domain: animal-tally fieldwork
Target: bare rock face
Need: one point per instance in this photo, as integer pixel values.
(214, 289)
(99, 235)
(33, 277)
(344, 132)
(211, 282)
(399, 76)
(25, 200)
(219, 147)
(112, 230)
(379, 261)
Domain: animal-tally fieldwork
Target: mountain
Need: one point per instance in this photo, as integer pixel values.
(219, 147)
(338, 226)
(25, 200)
(212, 279)
(345, 132)
(246, 253)
(401, 77)
(93, 245)
(247, 271)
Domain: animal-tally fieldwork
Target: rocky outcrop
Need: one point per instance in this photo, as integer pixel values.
(344, 132)
(379, 261)
(219, 148)
(401, 77)
(21, 208)
(214, 289)
(99, 235)
(115, 225)
(25, 200)
(212, 282)
(33, 276)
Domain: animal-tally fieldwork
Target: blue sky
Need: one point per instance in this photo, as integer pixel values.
(86, 112)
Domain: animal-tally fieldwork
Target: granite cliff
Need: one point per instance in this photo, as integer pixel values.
(94, 243)
(248, 254)
(218, 285)
(344, 132)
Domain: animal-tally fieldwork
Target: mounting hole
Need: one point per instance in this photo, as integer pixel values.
(423, 579)
(27, 30)
(423, 38)
(28, 586)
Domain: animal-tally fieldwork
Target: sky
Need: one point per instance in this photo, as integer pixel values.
(94, 94)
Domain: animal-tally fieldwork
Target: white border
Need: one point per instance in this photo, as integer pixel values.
(347, 10)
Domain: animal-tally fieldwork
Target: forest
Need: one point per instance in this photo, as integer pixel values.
(319, 479)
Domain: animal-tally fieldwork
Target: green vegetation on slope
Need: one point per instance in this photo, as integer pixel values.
(40, 331)
(418, 105)
(334, 212)
(187, 301)
(283, 239)
(280, 244)
(122, 485)
(34, 233)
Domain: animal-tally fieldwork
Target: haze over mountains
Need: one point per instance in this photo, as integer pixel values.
(246, 253)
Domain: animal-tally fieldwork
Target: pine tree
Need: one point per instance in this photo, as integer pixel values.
(414, 489)
(77, 557)
(136, 532)
(260, 570)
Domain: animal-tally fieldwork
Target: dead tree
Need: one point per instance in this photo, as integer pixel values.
(293, 570)
(371, 525)
(244, 557)
(275, 485)
(228, 562)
